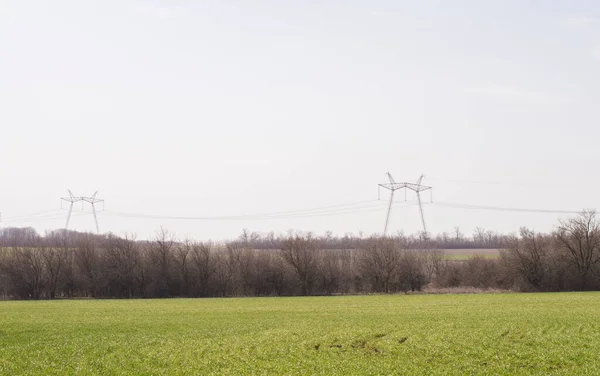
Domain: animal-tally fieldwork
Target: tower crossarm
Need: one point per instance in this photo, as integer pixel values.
(89, 199)
(417, 187)
(92, 200)
(393, 186)
(72, 199)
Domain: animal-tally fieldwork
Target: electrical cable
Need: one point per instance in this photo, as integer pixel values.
(325, 210)
(39, 218)
(32, 215)
(498, 208)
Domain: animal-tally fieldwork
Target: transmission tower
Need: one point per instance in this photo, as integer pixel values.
(393, 187)
(91, 200)
(416, 187)
(71, 200)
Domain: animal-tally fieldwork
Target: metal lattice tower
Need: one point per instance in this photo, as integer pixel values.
(417, 187)
(91, 200)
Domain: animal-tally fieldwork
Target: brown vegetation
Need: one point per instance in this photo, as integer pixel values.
(67, 264)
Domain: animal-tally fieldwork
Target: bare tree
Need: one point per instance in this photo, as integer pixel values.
(87, 262)
(449, 275)
(229, 271)
(479, 235)
(161, 259)
(182, 256)
(491, 238)
(204, 266)
(54, 256)
(379, 263)
(330, 272)
(24, 270)
(432, 262)
(19, 237)
(458, 235)
(411, 271)
(120, 264)
(579, 237)
(300, 253)
(528, 257)
(479, 272)
(443, 238)
(256, 268)
(68, 264)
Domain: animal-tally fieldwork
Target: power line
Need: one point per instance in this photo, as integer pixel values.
(40, 218)
(331, 210)
(352, 204)
(357, 207)
(506, 209)
(32, 215)
(482, 182)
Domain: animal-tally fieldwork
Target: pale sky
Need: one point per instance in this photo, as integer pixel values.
(227, 108)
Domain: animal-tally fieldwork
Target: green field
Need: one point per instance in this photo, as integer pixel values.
(466, 257)
(393, 334)
(466, 254)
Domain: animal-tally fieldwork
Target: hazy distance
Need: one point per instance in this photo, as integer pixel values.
(183, 108)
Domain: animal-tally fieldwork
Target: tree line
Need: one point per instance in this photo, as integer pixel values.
(455, 239)
(67, 264)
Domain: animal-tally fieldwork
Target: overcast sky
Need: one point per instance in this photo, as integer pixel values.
(225, 108)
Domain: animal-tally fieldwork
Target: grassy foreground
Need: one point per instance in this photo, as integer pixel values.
(417, 334)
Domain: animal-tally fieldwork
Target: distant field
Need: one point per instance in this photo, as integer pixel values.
(465, 254)
(397, 334)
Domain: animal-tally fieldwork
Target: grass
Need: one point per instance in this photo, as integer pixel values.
(466, 254)
(416, 334)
